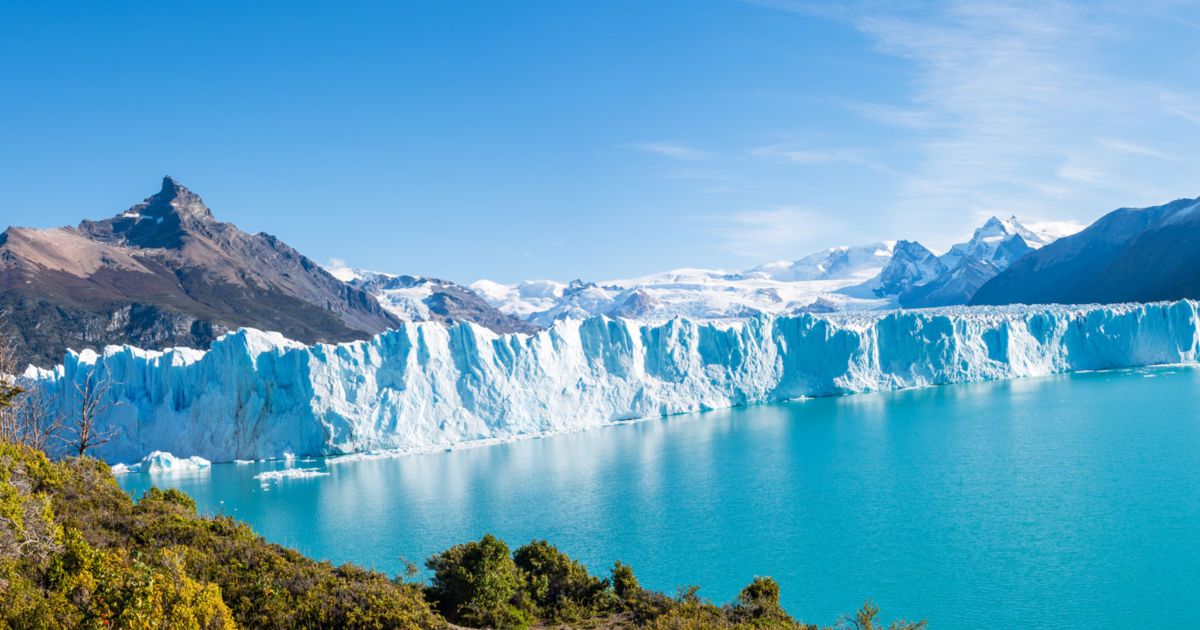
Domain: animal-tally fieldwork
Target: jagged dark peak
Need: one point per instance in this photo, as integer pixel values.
(174, 198)
(162, 220)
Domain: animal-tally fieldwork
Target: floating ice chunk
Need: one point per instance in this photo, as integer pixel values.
(160, 462)
(290, 473)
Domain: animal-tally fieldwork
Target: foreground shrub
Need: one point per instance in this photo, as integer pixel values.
(478, 583)
(758, 604)
(75, 551)
(561, 588)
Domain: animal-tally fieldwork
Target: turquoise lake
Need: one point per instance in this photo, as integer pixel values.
(1054, 502)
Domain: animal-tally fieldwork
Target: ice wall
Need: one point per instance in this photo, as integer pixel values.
(258, 395)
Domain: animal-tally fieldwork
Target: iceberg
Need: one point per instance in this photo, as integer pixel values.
(159, 462)
(425, 386)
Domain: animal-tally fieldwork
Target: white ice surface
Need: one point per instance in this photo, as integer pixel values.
(425, 386)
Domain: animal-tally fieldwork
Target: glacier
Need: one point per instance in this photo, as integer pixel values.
(425, 386)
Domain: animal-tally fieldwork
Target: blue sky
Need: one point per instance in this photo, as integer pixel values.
(564, 139)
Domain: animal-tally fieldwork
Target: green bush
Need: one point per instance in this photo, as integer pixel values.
(758, 604)
(478, 583)
(561, 588)
(625, 585)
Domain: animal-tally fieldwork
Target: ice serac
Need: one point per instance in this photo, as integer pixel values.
(257, 395)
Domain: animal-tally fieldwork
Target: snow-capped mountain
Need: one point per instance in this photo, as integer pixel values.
(999, 242)
(702, 294)
(955, 286)
(836, 263)
(958, 274)
(911, 264)
(878, 275)
(422, 299)
(1130, 254)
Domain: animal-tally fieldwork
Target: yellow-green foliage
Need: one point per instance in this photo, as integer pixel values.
(27, 524)
(77, 552)
(53, 578)
(111, 589)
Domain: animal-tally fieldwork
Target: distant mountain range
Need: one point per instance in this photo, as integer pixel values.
(166, 273)
(874, 276)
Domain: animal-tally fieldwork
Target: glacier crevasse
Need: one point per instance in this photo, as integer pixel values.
(256, 395)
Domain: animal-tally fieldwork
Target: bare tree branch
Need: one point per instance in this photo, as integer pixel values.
(40, 423)
(10, 393)
(94, 404)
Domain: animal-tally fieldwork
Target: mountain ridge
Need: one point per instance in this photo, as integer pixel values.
(872, 276)
(163, 273)
(1130, 254)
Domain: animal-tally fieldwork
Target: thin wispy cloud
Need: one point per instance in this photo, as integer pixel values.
(896, 116)
(802, 156)
(805, 156)
(773, 233)
(670, 150)
(1057, 229)
(998, 82)
(1181, 105)
(1133, 148)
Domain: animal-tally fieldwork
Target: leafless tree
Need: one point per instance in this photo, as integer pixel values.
(94, 403)
(28, 415)
(40, 423)
(10, 393)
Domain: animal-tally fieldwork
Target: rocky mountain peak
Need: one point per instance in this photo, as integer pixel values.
(174, 198)
(161, 221)
(166, 273)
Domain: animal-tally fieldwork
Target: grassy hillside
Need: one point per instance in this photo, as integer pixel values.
(77, 552)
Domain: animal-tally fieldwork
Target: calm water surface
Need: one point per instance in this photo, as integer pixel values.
(1052, 502)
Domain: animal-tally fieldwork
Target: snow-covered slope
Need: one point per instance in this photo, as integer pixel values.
(836, 263)
(258, 395)
(423, 299)
(522, 300)
(704, 294)
(874, 276)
